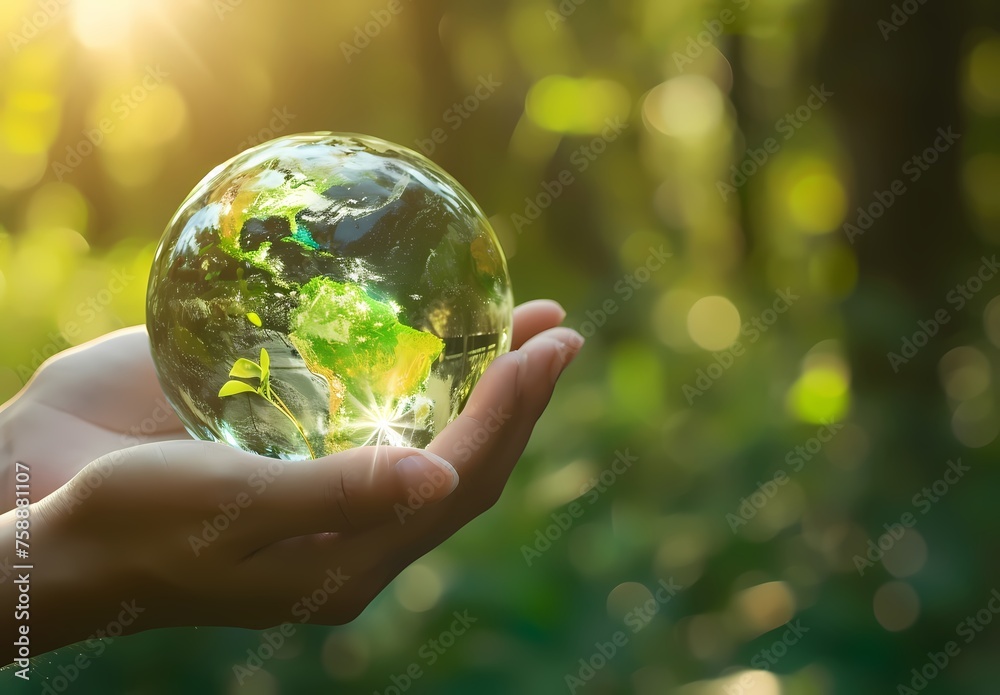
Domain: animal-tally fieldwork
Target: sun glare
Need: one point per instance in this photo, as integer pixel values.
(102, 24)
(383, 423)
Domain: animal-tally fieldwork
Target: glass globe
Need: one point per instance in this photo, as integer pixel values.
(326, 291)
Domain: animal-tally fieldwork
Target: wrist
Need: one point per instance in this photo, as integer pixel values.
(60, 594)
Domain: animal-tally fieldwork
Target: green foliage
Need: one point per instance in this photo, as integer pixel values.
(342, 331)
(247, 369)
(713, 399)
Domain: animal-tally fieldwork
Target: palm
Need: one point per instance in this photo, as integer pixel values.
(83, 405)
(105, 396)
(340, 514)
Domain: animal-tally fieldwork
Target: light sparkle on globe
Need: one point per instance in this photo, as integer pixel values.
(325, 291)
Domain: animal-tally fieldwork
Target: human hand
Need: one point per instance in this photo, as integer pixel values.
(344, 524)
(80, 405)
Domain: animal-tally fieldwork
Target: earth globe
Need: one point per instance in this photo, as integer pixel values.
(326, 291)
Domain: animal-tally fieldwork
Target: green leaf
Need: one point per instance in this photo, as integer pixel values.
(253, 318)
(265, 361)
(245, 369)
(231, 388)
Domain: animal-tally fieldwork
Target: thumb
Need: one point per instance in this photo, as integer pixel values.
(350, 491)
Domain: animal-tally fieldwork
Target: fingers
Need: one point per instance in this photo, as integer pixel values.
(346, 492)
(483, 444)
(363, 487)
(531, 318)
(387, 506)
(262, 500)
(111, 382)
(506, 403)
(481, 424)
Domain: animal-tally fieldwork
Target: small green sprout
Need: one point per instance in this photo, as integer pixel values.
(248, 369)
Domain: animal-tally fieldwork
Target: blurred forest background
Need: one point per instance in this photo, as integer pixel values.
(686, 178)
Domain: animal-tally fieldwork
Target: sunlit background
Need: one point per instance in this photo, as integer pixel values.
(679, 175)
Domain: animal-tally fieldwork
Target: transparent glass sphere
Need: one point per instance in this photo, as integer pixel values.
(325, 291)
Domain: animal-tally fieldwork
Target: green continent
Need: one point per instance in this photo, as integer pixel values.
(348, 337)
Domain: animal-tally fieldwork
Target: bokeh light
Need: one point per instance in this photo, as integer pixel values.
(907, 556)
(685, 107)
(983, 77)
(765, 607)
(713, 323)
(896, 606)
(965, 373)
(816, 199)
(579, 106)
(419, 587)
(822, 392)
(805, 433)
